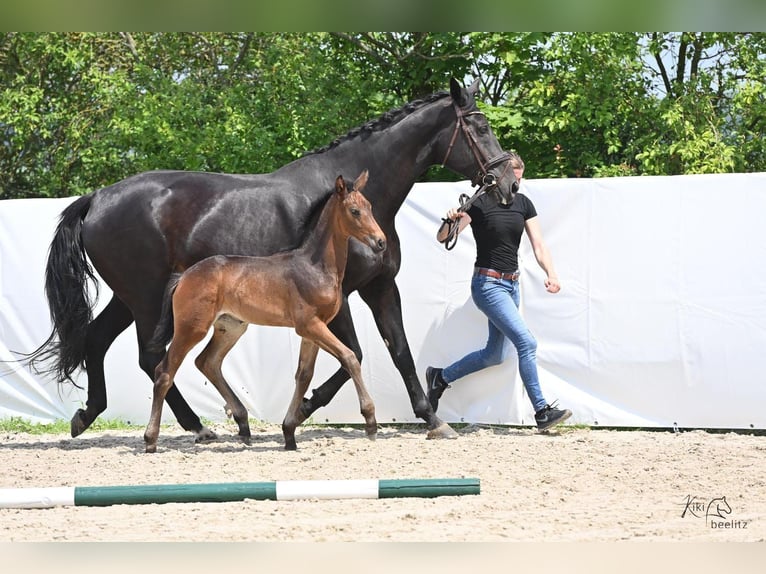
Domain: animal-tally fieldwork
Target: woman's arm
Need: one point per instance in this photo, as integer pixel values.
(542, 254)
(462, 218)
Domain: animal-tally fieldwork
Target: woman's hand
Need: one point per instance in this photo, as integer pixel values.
(552, 284)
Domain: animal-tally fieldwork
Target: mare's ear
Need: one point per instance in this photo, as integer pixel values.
(461, 95)
(361, 181)
(340, 186)
(456, 91)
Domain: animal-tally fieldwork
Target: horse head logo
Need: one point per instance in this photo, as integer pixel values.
(718, 507)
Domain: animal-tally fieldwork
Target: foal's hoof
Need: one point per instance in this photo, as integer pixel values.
(441, 432)
(246, 439)
(78, 425)
(151, 448)
(204, 435)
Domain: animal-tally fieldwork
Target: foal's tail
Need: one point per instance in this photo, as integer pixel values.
(163, 333)
(70, 301)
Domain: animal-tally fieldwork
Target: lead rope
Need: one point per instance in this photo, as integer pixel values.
(465, 202)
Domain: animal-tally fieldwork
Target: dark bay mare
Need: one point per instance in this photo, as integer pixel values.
(301, 288)
(139, 231)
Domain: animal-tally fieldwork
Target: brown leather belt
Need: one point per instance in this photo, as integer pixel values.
(496, 274)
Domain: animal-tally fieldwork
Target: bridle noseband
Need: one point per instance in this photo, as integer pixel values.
(484, 178)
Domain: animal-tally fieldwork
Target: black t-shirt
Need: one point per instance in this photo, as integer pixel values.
(497, 230)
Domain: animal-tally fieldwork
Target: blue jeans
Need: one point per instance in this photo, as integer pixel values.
(498, 299)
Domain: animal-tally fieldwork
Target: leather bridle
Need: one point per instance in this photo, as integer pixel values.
(485, 179)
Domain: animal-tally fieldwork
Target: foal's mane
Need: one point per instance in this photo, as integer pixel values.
(383, 122)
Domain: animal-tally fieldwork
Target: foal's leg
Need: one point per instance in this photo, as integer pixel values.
(343, 328)
(226, 332)
(184, 339)
(322, 336)
(293, 418)
(146, 322)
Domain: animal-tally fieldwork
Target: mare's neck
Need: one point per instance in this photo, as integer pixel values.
(401, 154)
(396, 156)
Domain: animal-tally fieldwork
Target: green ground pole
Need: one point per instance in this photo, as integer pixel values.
(236, 491)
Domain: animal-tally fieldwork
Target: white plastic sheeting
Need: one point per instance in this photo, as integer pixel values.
(661, 319)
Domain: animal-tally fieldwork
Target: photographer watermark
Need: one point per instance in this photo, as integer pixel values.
(715, 511)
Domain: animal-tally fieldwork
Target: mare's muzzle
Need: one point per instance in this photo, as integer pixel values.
(505, 196)
(490, 182)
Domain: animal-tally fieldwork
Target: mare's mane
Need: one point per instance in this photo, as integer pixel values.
(383, 122)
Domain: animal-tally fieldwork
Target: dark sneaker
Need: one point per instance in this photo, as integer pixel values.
(550, 416)
(436, 386)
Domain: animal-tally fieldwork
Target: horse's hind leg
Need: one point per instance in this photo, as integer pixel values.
(227, 330)
(99, 336)
(161, 386)
(148, 362)
(306, 363)
(382, 297)
(186, 336)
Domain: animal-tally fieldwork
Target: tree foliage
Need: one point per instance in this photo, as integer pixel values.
(79, 111)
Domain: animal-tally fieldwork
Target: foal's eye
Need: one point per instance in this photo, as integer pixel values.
(355, 212)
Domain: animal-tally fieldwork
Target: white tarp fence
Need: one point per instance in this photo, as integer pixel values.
(661, 320)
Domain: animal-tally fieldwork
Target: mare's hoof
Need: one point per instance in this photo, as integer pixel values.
(77, 425)
(204, 435)
(441, 432)
(245, 439)
(291, 446)
(372, 436)
(151, 448)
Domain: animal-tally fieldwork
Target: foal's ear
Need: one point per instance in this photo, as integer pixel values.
(361, 181)
(340, 185)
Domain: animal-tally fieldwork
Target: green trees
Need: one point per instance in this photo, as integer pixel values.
(601, 104)
(80, 111)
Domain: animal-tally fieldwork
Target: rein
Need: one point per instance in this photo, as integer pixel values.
(465, 202)
(484, 179)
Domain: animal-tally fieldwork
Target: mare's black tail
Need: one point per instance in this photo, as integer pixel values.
(163, 333)
(70, 301)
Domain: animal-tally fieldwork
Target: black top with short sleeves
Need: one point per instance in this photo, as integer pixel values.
(497, 230)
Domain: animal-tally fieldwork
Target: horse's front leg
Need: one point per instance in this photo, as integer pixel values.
(343, 327)
(385, 303)
(322, 336)
(226, 332)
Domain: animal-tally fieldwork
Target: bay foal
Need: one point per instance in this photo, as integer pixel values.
(299, 288)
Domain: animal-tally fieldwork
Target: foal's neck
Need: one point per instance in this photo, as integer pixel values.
(327, 244)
